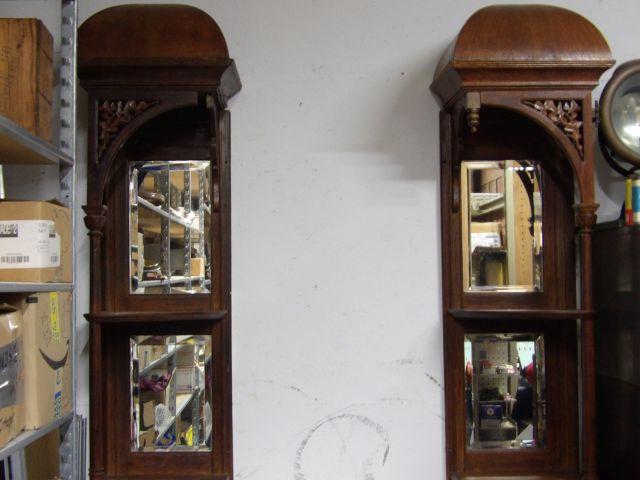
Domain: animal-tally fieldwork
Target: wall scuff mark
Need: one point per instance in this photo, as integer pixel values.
(352, 445)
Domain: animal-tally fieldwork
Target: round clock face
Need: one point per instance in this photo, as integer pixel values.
(625, 112)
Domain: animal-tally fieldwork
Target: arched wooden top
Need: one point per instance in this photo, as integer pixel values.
(529, 45)
(151, 35)
(530, 33)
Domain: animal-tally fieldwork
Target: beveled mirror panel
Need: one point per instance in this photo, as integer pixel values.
(171, 393)
(170, 219)
(505, 402)
(501, 226)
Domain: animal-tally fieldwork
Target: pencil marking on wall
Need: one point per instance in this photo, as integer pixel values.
(433, 379)
(354, 445)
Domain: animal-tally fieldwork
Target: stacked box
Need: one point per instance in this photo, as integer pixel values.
(26, 74)
(48, 384)
(147, 354)
(35, 242)
(11, 374)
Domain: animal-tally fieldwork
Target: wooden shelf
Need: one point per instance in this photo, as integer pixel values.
(522, 314)
(19, 147)
(154, 317)
(546, 476)
(175, 280)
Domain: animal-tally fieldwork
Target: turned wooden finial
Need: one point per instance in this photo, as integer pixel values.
(95, 218)
(473, 111)
(585, 216)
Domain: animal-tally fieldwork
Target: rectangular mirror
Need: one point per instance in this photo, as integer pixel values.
(501, 225)
(169, 227)
(171, 393)
(505, 402)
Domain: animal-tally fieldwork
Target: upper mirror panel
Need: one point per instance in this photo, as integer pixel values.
(169, 227)
(501, 226)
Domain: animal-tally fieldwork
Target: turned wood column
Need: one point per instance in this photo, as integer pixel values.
(95, 220)
(585, 220)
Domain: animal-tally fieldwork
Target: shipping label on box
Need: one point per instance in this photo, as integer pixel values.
(35, 242)
(185, 379)
(29, 244)
(9, 369)
(11, 374)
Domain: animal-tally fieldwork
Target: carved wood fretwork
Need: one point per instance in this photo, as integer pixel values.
(567, 115)
(114, 115)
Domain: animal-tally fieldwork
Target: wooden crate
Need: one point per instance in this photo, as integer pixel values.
(26, 74)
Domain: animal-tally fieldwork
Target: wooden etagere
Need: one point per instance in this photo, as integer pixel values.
(158, 79)
(513, 92)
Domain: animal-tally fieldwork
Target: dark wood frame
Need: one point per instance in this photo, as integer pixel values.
(501, 65)
(153, 76)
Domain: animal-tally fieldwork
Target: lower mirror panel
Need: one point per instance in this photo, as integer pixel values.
(505, 398)
(171, 393)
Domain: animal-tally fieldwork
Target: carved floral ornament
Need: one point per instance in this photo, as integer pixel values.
(114, 115)
(567, 115)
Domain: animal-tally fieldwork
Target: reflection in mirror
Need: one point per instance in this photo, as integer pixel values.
(625, 112)
(505, 402)
(171, 392)
(170, 217)
(501, 226)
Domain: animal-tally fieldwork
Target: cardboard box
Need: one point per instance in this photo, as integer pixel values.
(26, 74)
(146, 439)
(148, 354)
(42, 457)
(148, 414)
(35, 242)
(197, 267)
(185, 379)
(46, 320)
(11, 374)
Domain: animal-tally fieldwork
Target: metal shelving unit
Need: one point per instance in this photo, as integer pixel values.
(26, 287)
(173, 349)
(29, 436)
(19, 147)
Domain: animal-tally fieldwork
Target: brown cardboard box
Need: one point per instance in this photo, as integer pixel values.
(146, 439)
(42, 457)
(26, 74)
(46, 320)
(11, 374)
(148, 354)
(148, 414)
(35, 242)
(197, 267)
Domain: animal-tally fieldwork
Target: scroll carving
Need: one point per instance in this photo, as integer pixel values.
(567, 115)
(113, 116)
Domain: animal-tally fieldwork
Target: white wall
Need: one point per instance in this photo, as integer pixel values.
(337, 338)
